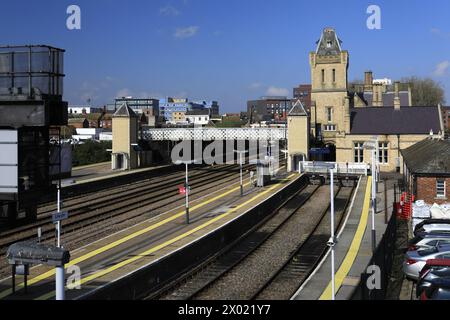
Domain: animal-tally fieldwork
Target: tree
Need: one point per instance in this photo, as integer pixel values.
(425, 91)
(91, 152)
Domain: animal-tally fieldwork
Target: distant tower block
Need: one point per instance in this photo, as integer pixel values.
(125, 139)
(298, 124)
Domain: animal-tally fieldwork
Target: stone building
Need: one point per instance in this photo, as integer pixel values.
(343, 120)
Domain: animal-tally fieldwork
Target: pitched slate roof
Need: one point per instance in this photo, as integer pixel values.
(387, 120)
(298, 109)
(430, 156)
(329, 43)
(388, 98)
(125, 112)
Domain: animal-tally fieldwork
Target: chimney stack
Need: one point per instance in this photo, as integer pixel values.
(368, 81)
(397, 103)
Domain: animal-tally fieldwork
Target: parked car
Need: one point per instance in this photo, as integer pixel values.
(431, 221)
(425, 240)
(432, 225)
(438, 290)
(416, 260)
(433, 269)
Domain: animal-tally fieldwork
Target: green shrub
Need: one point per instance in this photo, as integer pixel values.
(91, 152)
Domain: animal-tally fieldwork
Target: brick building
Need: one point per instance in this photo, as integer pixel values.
(303, 93)
(427, 170)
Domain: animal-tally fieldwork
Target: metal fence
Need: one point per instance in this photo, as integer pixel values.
(340, 167)
(383, 259)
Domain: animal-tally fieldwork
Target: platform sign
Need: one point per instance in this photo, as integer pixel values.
(59, 216)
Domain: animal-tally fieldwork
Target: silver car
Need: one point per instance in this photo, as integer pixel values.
(416, 260)
(428, 241)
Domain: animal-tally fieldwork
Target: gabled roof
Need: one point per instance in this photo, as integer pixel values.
(387, 120)
(298, 109)
(430, 156)
(125, 112)
(329, 43)
(388, 98)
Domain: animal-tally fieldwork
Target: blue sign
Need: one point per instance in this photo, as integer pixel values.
(319, 151)
(58, 216)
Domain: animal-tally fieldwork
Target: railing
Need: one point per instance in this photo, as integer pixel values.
(383, 258)
(212, 134)
(340, 167)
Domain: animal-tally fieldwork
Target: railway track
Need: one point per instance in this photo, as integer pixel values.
(271, 256)
(291, 275)
(90, 221)
(128, 199)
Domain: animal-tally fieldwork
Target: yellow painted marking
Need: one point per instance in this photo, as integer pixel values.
(354, 247)
(167, 243)
(114, 244)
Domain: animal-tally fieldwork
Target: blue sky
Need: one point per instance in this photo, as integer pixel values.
(226, 50)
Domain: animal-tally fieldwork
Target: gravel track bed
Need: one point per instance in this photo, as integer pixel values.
(243, 281)
(199, 280)
(295, 272)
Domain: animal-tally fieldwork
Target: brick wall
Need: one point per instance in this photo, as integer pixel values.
(426, 190)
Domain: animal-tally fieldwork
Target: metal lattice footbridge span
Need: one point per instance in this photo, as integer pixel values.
(211, 134)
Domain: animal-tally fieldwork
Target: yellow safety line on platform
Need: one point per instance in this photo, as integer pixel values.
(167, 243)
(114, 244)
(354, 247)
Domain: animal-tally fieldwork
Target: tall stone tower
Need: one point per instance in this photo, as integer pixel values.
(125, 138)
(298, 124)
(330, 112)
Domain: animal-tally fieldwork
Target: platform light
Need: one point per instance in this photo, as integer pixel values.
(372, 146)
(332, 242)
(187, 188)
(241, 152)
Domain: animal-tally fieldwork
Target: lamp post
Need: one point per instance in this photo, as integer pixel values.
(333, 240)
(371, 145)
(241, 152)
(186, 186)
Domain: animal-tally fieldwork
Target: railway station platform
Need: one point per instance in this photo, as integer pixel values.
(353, 251)
(101, 171)
(124, 256)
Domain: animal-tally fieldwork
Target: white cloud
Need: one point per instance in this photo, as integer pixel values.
(125, 92)
(183, 33)
(274, 91)
(169, 11)
(442, 68)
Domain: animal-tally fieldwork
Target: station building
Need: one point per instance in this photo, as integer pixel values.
(343, 120)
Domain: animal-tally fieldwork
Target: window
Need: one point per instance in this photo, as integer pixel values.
(440, 188)
(323, 75)
(334, 75)
(383, 153)
(330, 114)
(330, 127)
(359, 152)
(329, 43)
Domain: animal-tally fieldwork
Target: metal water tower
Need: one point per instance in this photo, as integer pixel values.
(31, 112)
